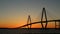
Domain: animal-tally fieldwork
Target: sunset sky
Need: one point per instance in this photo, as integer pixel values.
(14, 13)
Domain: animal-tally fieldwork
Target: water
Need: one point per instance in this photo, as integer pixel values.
(25, 30)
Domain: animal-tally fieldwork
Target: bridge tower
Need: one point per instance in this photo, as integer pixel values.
(44, 14)
(29, 21)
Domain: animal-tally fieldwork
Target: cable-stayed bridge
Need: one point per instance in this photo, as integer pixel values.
(21, 30)
(46, 21)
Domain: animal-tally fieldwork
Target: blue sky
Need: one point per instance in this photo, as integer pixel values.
(18, 10)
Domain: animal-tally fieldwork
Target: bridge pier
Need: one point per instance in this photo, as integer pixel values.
(59, 24)
(55, 24)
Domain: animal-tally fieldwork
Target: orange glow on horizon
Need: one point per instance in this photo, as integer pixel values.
(20, 22)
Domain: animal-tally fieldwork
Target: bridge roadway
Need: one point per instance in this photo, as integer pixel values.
(40, 22)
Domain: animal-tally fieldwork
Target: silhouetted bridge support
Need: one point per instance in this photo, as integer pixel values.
(57, 24)
(29, 21)
(44, 14)
(46, 21)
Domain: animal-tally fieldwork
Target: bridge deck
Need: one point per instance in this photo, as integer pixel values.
(40, 22)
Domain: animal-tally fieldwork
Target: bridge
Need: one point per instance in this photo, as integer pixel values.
(42, 22)
(46, 21)
(28, 30)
